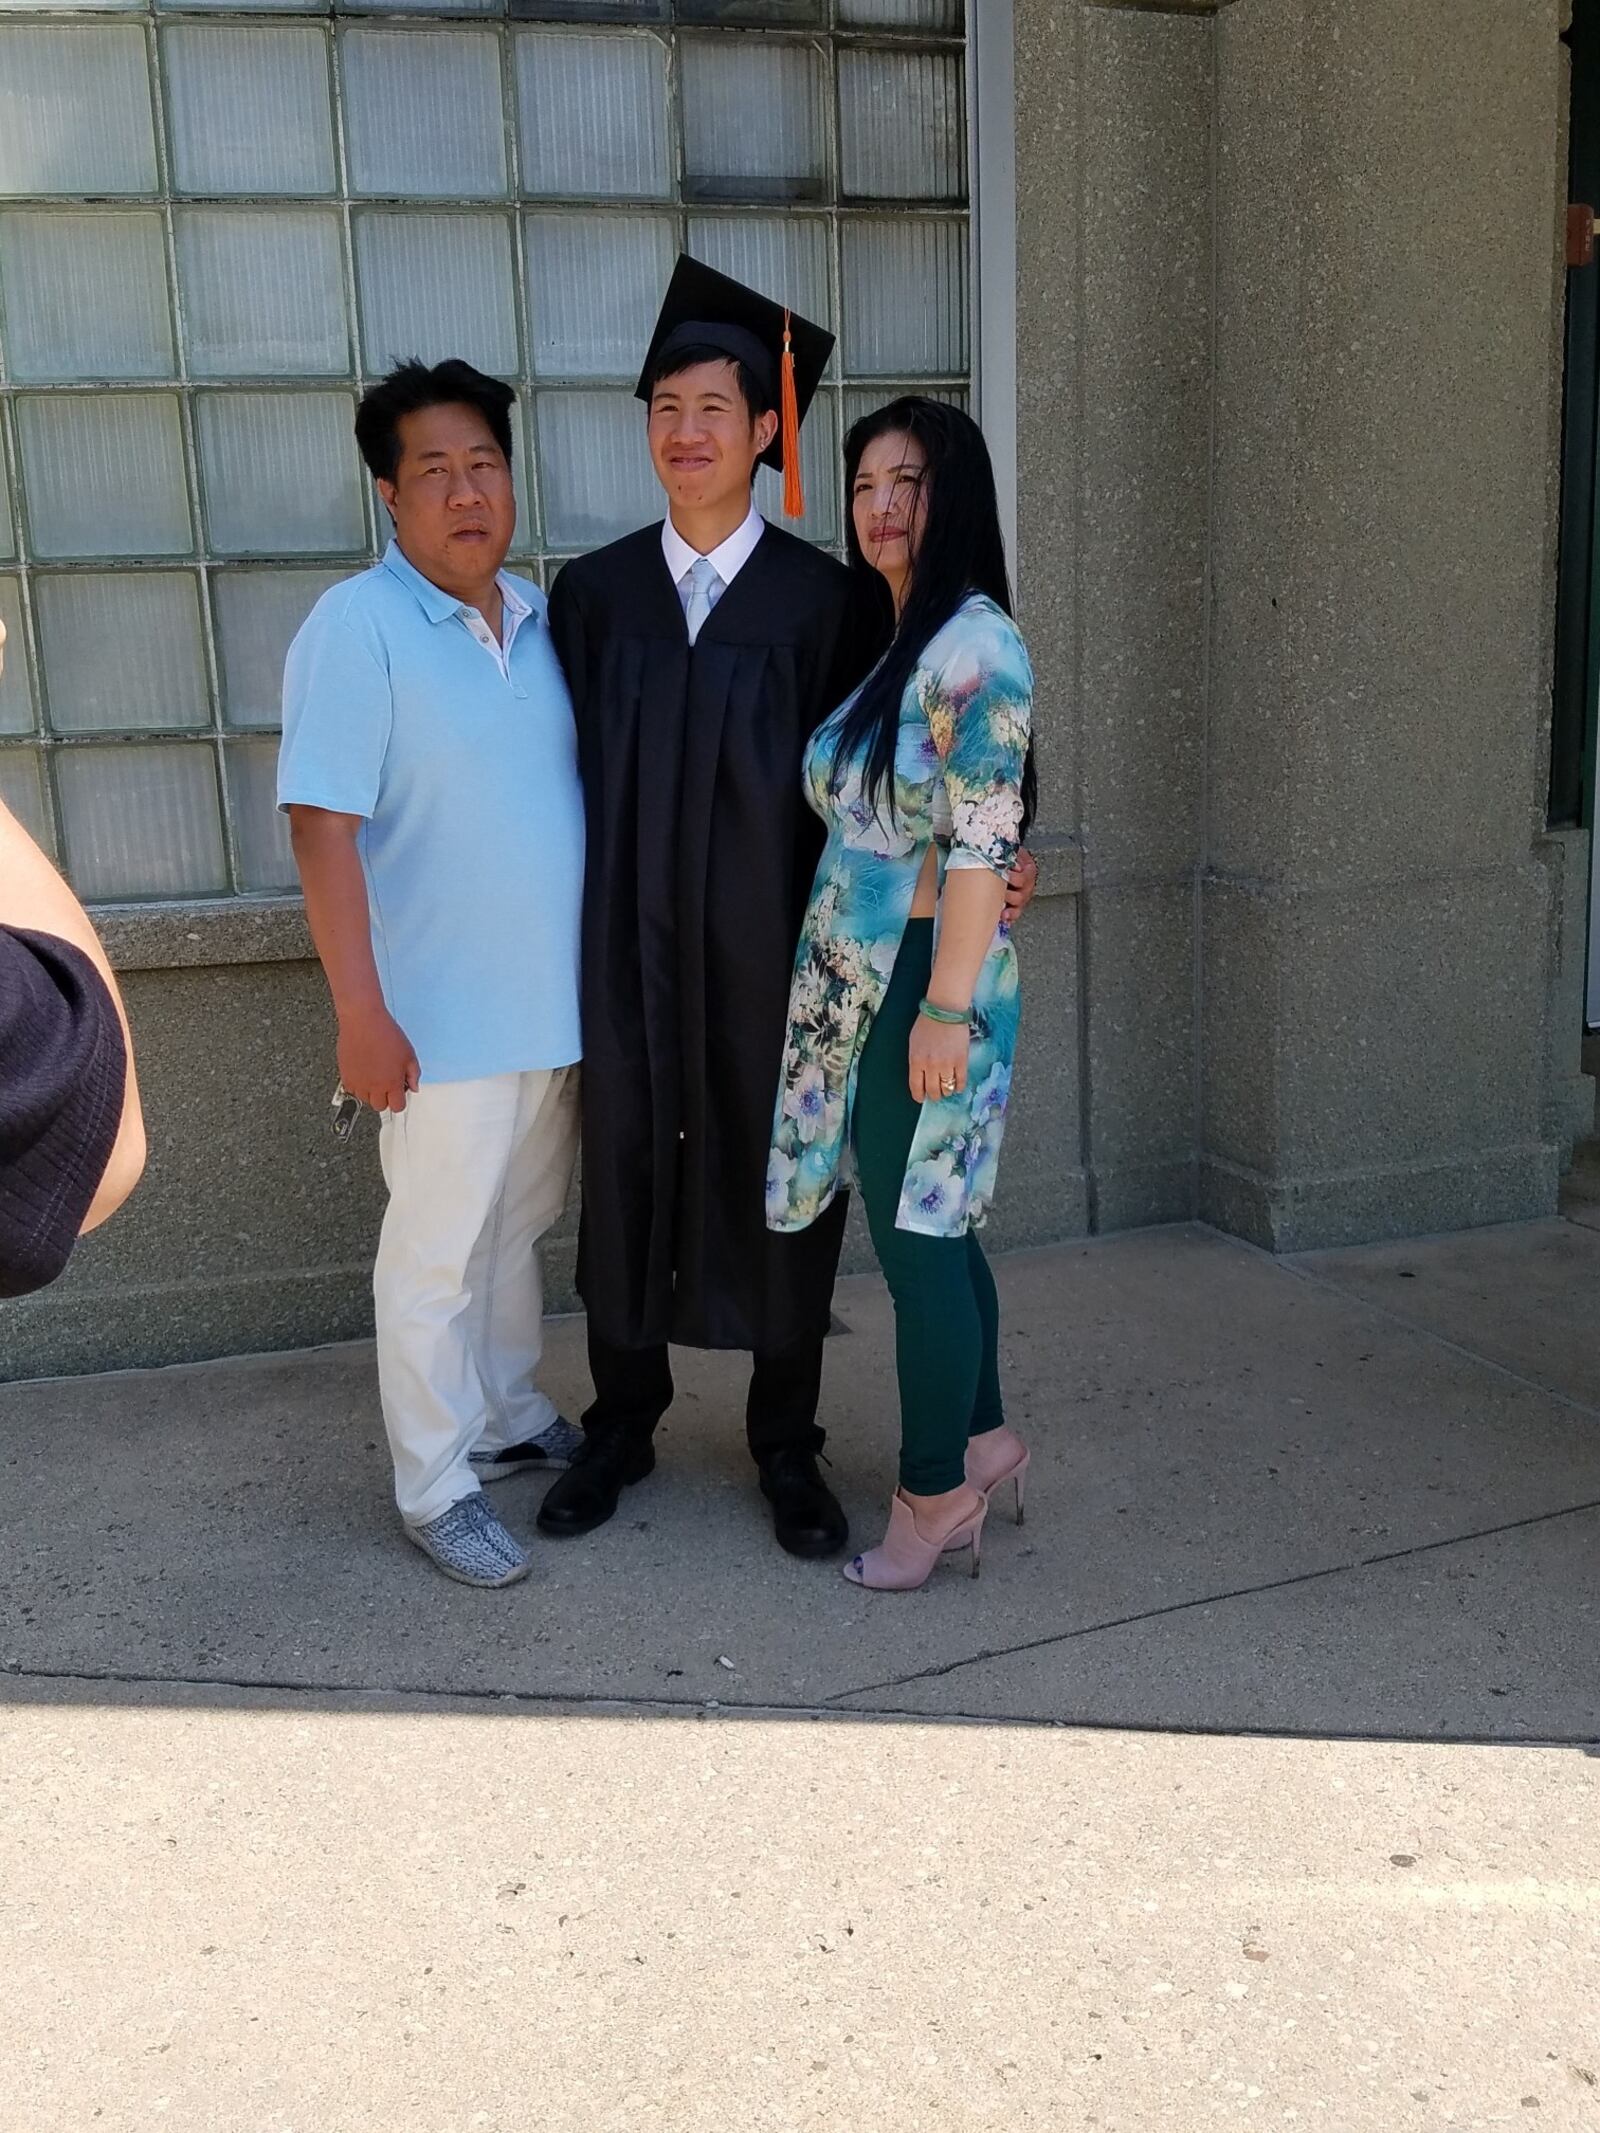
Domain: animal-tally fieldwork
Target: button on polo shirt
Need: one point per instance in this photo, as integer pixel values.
(514, 612)
(459, 755)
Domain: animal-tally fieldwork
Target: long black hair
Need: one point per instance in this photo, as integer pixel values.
(961, 552)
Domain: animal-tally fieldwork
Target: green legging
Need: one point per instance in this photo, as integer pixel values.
(946, 1313)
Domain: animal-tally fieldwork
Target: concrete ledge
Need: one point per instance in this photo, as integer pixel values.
(189, 936)
(246, 929)
(197, 1321)
(1164, 7)
(1572, 1113)
(1317, 1213)
(1060, 865)
(1028, 1222)
(65, 1334)
(1145, 1195)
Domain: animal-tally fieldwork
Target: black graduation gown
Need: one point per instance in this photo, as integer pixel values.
(701, 856)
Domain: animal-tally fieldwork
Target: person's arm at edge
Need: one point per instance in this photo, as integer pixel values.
(35, 899)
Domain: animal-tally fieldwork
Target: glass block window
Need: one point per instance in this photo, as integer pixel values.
(221, 219)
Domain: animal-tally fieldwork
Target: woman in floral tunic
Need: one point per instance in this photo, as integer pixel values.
(903, 1011)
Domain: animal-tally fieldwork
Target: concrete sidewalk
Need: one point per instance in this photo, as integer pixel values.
(682, 1833)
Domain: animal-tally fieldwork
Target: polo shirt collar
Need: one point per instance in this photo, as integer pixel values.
(435, 602)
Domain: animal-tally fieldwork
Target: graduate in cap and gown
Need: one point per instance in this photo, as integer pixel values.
(702, 653)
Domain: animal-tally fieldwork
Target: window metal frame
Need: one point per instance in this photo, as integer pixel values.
(992, 162)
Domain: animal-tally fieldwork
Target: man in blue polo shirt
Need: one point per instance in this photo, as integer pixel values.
(430, 776)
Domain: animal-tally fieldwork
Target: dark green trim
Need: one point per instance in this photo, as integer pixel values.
(1576, 682)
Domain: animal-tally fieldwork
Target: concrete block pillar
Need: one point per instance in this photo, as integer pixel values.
(1114, 161)
(1377, 904)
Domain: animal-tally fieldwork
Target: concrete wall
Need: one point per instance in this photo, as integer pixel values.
(1289, 330)
(1379, 918)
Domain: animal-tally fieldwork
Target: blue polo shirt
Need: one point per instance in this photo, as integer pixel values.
(461, 758)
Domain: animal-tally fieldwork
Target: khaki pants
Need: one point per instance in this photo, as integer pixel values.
(477, 1172)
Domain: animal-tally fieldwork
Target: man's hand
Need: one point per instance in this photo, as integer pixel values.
(376, 1061)
(1020, 885)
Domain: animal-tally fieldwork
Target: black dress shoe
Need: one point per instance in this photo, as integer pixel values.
(806, 1515)
(588, 1492)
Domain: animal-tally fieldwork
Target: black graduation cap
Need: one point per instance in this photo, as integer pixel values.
(705, 309)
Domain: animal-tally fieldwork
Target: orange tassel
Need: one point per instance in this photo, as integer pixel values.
(794, 495)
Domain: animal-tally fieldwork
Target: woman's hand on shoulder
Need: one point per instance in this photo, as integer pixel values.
(1021, 885)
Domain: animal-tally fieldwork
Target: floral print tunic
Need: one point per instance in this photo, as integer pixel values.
(964, 724)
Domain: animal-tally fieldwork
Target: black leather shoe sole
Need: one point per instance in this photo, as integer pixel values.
(583, 1498)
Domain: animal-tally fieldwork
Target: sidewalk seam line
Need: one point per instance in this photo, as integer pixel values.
(1312, 1279)
(1216, 1599)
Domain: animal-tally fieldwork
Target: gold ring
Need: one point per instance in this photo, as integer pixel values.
(947, 1088)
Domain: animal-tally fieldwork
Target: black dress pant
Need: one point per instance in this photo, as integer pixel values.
(633, 1390)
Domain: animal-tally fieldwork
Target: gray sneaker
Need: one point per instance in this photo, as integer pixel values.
(469, 1544)
(553, 1448)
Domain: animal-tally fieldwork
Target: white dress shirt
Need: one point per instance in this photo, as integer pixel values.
(515, 611)
(727, 560)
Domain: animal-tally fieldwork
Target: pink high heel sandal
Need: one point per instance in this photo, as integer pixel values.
(1014, 1469)
(903, 1561)
(985, 1477)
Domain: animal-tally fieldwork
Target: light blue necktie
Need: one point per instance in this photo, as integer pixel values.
(702, 582)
